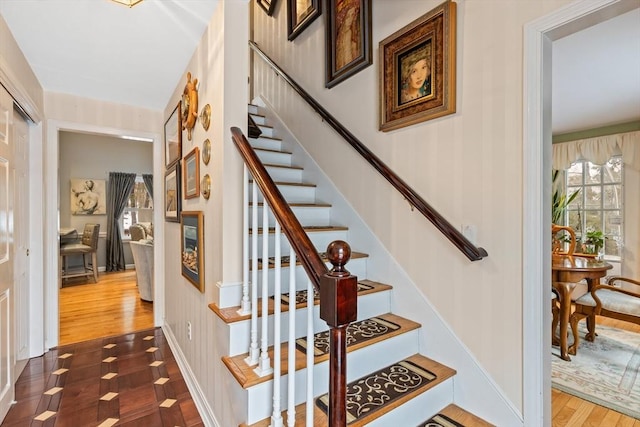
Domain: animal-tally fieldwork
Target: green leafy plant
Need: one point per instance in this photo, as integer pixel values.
(595, 238)
(560, 201)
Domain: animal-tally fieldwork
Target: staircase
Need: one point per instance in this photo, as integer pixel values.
(389, 382)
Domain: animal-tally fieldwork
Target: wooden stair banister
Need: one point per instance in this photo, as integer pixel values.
(338, 288)
(471, 251)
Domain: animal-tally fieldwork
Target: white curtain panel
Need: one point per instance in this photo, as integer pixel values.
(598, 150)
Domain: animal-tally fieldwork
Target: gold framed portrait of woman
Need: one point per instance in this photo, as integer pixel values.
(418, 70)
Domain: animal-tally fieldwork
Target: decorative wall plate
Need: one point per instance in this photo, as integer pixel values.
(205, 186)
(205, 116)
(206, 151)
(189, 105)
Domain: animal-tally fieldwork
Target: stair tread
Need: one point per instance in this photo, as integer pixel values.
(460, 416)
(257, 115)
(246, 377)
(301, 205)
(310, 228)
(293, 184)
(271, 151)
(285, 262)
(441, 371)
(275, 138)
(272, 165)
(230, 314)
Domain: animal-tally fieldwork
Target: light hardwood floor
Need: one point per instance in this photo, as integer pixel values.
(571, 411)
(110, 307)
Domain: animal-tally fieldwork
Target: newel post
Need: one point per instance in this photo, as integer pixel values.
(338, 307)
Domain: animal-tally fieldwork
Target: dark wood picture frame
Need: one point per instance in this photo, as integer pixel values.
(172, 194)
(425, 51)
(268, 5)
(191, 174)
(173, 137)
(298, 20)
(192, 247)
(348, 34)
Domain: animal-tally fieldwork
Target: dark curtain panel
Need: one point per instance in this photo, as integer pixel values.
(120, 187)
(148, 182)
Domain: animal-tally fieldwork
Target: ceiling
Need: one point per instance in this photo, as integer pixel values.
(103, 50)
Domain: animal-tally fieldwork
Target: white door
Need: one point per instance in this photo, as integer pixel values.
(7, 359)
(21, 238)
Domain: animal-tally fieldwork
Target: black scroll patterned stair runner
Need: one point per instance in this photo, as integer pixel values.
(357, 332)
(381, 388)
(301, 296)
(440, 420)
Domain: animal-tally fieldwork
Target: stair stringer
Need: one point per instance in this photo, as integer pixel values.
(474, 388)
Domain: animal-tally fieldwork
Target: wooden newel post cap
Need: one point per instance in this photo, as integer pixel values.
(338, 288)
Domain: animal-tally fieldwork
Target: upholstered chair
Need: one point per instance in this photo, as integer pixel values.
(142, 251)
(87, 246)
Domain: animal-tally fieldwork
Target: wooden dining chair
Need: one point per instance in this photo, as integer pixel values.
(618, 299)
(86, 246)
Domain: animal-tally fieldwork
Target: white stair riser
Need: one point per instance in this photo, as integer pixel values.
(369, 305)
(284, 174)
(266, 130)
(359, 364)
(274, 157)
(320, 240)
(254, 109)
(306, 215)
(266, 143)
(292, 193)
(258, 119)
(357, 267)
(418, 409)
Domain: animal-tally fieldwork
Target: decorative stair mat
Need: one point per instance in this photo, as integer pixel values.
(440, 420)
(285, 259)
(357, 332)
(301, 296)
(381, 388)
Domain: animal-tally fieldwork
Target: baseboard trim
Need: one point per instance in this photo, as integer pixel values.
(206, 413)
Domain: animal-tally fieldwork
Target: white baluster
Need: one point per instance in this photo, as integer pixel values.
(254, 354)
(310, 344)
(245, 306)
(291, 393)
(276, 417)
(264, 364)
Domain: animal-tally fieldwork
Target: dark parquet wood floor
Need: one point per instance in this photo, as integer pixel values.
(127, 380)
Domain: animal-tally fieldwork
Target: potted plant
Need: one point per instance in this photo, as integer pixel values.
(593, 242)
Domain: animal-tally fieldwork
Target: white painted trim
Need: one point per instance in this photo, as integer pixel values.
(228, 294)
(18, 92)
(52, 211)
(538, 37)
(206, 413)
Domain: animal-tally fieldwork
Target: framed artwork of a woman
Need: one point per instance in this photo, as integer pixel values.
(418, 70)
(348, 44)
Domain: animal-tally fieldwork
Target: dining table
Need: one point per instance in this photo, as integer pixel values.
(567, 271)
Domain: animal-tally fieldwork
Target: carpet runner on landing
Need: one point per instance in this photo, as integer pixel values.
(383, 387)
(357, 332)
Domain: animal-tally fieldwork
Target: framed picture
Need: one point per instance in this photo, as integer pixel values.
(418, 70)
(192, 245)
(267, 5)
(173, 137)
(172, 197)
(191, 174)
(88, 196)
(300, 14)
(348, 45)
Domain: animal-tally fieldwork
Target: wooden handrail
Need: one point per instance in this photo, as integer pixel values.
(298, 238)
(473, 252)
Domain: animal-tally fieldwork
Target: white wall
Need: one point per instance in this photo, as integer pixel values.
(467, 165)
(221, 66)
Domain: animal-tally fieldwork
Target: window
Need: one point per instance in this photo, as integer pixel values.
(599, 206)
(139, 207)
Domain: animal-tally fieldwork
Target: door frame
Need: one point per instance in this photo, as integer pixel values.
(52, 212)
(536, 163)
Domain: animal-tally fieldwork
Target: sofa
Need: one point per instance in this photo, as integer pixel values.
(142, 251)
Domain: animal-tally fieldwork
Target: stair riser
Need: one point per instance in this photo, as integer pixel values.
(254, 109)
(357, 267)
(258, 119)
(319, 239)
(292, 193)
(306, 215)
(284, 174)
(266, 143)
(369, 305)
(359, 363)
(267, 131)
(274, 157)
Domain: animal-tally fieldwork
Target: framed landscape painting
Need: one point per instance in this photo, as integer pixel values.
(191, 174)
